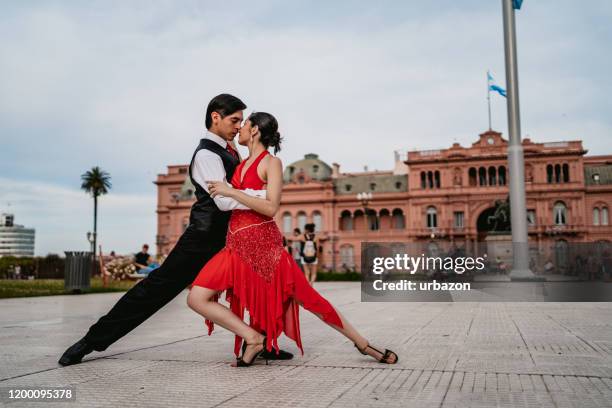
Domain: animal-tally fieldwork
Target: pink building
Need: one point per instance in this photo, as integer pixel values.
(442, 195)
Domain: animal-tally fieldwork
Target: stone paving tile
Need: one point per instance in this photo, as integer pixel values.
(451, 355)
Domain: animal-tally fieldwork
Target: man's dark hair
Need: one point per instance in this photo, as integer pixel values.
(224, 104)
(309, 227)
(297, 230)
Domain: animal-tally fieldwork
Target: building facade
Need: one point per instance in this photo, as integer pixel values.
(445, 196)
(15, 240)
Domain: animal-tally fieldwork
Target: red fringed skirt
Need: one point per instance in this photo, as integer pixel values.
(260, 276)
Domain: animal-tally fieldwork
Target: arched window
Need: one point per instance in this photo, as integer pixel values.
(473, 176)
(373, 223)
(346, 221)
(398, 220)
(384, 219)
(557, 173)
(317, 220)
(301, 220)
(492, 176)
(566, 177)
(501, 172)
(287, 223)
(432, 217)
(347, 256)
(359, 220)
(549, 173)
(595, 216)
(437, 178)
(482, 176)
(430, 182)
(560, 213)
(423, 180)
(604, 216)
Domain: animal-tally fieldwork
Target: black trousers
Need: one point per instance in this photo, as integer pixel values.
(179, 270)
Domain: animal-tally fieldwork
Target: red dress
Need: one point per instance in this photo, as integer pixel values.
(259, 275)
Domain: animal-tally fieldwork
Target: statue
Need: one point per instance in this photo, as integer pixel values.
(457, 177)
(501, 217)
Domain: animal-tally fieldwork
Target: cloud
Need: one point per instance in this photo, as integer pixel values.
(63, 216)
(124, 85)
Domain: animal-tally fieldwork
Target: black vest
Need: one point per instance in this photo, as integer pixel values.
(205, 216)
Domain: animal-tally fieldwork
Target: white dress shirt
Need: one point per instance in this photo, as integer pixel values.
(208, 166)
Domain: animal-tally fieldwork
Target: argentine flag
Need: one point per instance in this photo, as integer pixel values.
(494, 87)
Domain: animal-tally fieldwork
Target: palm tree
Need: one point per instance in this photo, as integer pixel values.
(96, 182)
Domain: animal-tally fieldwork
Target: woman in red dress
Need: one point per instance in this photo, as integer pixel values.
(254, 269)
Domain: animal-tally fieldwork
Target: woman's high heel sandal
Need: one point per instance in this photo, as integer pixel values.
(385, 356)
(241, 362)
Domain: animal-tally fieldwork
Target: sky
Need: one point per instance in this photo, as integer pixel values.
(124, 85)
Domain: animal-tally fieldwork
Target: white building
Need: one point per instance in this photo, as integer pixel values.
(15, 240)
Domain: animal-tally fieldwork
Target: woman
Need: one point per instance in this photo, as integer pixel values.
(254, 269)
(309, 249)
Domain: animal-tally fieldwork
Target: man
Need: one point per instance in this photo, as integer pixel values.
(142, 259)
(213, 159)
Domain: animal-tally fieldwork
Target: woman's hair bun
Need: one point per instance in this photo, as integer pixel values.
(268, 127)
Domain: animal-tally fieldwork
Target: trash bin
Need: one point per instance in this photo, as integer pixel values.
(77, 272)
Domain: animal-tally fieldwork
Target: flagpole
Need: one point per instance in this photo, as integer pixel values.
(516, 163)
(489, 98)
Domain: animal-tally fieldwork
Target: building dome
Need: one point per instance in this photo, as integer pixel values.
(187, 190)
(307, 169)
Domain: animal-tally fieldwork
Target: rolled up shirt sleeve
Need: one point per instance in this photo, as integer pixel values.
(208, 166)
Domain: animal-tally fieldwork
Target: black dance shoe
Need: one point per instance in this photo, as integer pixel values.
(75, 353)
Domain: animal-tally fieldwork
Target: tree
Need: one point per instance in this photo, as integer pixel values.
(95, 182)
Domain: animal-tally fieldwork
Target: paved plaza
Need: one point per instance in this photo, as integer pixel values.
(451, 354)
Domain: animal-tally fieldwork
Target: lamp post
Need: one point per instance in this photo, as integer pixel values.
(91, 237)
(516, 164)
(365, 198)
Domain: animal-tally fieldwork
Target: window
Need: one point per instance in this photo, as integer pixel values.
(301, 219)
(492, 176)
(347, 256)
(549, 173)
(458, 216)
(372, 218)
(531, 217)
(372, 186)
(346, 221)
(398, 220)
(560, 213)
(423, 180)
(348, 187)
(595, 216)
(437, 178)
(472, 174)
(432, 217)
(501, 171)
(482, 176)
(317, 220)
(398, 185)
(566, 176)
(287, 223)
(604, 216)
(315, 168)
(183, 170)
